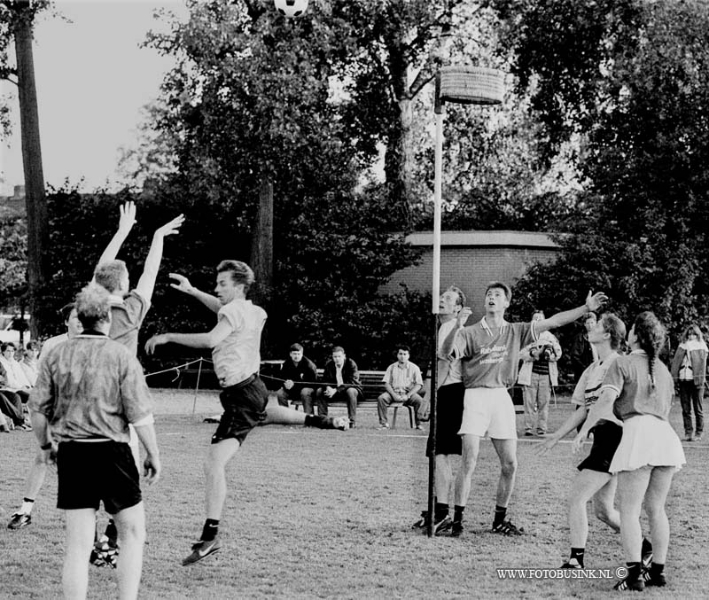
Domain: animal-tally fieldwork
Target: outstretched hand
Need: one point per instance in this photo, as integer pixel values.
(153, 342)
(577, 444)
(543, 447)
(127, 218)
(594, 302)
(183, 284)
(172, 227)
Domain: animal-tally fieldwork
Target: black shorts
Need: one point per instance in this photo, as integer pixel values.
(606, 438)
(244, 408)
(93, 472)
(449, 416)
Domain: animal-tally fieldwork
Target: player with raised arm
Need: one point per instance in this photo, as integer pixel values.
(490, 354)
(235, 342)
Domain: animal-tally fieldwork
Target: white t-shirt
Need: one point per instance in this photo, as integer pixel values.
(238, 356)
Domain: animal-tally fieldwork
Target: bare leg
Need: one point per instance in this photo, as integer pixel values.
(507, 453)
(655, 498)
(281, 415)
(79, 534)
(214, 470)
(444, 478)
(131, 539)
(603, 505)
(471, 449)
(586, 484)
(632, 486)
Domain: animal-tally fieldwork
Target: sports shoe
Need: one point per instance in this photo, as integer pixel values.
(419, 427)
(688, 437)
(19, 520)
(528, 433)
(200, 550)
(456, 528)
(422, 521)
(658, 580)
(632, 585)
(507, 527)
(572, 563)
(341, 423)
(445, 524)
(698, 437)
(104, 553)
(384, 426)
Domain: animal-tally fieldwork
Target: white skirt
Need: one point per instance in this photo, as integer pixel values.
(647, 441)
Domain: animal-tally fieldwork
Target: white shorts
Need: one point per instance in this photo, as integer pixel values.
(489, 411)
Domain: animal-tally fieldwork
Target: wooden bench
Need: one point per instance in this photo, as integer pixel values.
(372, 388)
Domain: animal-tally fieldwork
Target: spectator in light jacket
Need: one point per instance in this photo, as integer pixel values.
(539, 374)
(689, 367)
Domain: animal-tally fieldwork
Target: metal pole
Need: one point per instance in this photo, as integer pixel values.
(435, 292)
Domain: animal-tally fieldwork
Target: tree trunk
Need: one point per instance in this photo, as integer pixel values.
(262, 245)
(36, 202)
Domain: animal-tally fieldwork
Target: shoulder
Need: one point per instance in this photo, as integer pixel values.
(352, 363)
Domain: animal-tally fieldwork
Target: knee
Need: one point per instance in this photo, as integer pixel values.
(508, 467)
(133, 530)
(383, 398)
(352, 393)
(306, 393)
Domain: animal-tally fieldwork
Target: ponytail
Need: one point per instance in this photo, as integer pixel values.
(650, 334)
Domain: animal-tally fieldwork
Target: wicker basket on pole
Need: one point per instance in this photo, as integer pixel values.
(472, 85)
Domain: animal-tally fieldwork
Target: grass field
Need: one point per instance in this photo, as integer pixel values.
(324, 514)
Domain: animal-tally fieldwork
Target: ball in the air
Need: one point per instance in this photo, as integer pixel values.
(291, 8)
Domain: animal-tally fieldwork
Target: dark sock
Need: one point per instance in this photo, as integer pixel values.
(578, 553)
(314, 421)
(28, 499)
(633, 570)
(441, 511)
(647, 547)
(111, 532)
(458, 513)
(656, 570)
(500, 514)
(211, 529)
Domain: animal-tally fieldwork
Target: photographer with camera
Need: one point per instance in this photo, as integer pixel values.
(538, 375)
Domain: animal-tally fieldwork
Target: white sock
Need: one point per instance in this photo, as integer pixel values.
(26, 507)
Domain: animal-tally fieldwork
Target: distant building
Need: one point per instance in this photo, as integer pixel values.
(13, 206)
(471, 259)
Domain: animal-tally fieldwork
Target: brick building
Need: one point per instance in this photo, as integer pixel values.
(471, 259)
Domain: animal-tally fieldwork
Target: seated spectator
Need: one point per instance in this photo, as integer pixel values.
(296, 369)
(14, 377)
(12, 414)
(341, 382)
(403, 383)
(29, 361)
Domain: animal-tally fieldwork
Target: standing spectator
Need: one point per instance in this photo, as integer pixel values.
(539, 374)
(29, 361)
(582, 353)
(15, 378)
(403, 382)
(88, 390)
(295, 370)
(341, 378)
(689, 367)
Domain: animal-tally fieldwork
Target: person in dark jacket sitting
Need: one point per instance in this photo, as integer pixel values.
(340, 382)
(296, 369)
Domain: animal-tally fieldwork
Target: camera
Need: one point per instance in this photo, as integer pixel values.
(546, 352)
